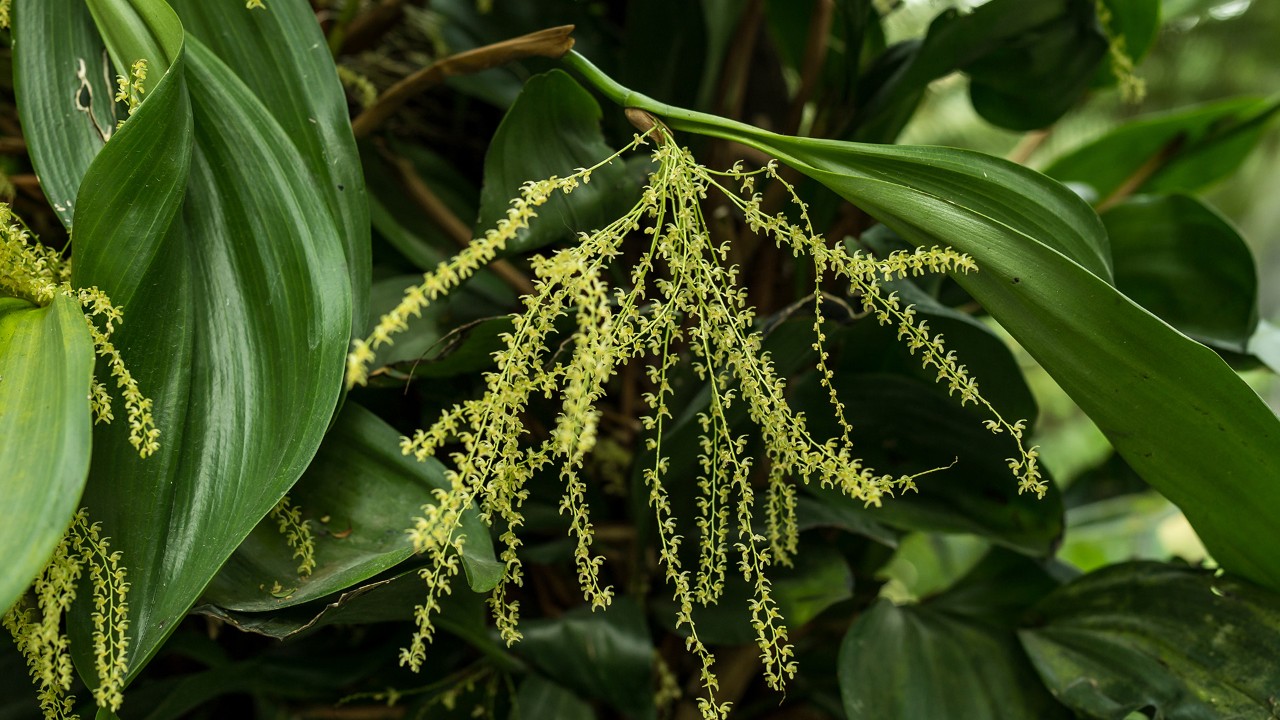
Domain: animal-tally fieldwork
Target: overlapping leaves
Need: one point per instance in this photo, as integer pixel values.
(226, 218)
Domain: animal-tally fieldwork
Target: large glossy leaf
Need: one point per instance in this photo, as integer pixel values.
(230, 266)
(1175, 639)
(1176, 412)
(953, 657)
(553, 129)
(1184, 262)
(46, 363)
(282, 58)
(360, 494)
(1177, 151)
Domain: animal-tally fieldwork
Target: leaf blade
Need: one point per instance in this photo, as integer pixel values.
(46, 364)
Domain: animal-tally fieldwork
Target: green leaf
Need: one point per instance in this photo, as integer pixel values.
(553, 129)
(359, 496)
(65, 87)
(138, 31)
(282, 58)
(1027, 64)
(1182, 150)
(1178, 258)
(46, 364)
(948, 661)
(605, 655)
(230, 265)
(1146, 635)
(1128, 527)
(393, 599)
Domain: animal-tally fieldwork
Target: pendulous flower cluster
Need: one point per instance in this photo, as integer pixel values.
(35, 621)
(683, 293)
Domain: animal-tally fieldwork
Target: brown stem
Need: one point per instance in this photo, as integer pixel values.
(1028, 145)
(27, 182)
(446, 220)
(814, 58)
(1140, 176)
(13, 146)
(733, 77)
(549, 43)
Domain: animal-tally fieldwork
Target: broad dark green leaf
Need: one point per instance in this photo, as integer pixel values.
(606, 655)
(1184, 262)
(870, 347)
(1147, 635)
(955, 656)
(1181, 150)
(1028, 63)
(46, 364)
(553, 128)
(230, 266)
(360, 495)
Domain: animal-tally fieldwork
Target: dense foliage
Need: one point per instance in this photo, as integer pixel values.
(385, 358)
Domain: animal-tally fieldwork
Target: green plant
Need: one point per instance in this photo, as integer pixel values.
(648, 376)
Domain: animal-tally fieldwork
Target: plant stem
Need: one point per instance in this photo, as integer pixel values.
(550, 43)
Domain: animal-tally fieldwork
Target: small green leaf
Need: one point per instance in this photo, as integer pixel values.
(553, 129)
(955, 656)
(359, 496)
(1028, 63)
(1182, 150)
(1147, 635)
(46, 364)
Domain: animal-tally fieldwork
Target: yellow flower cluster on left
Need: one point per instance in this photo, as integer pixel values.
(31, 271)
